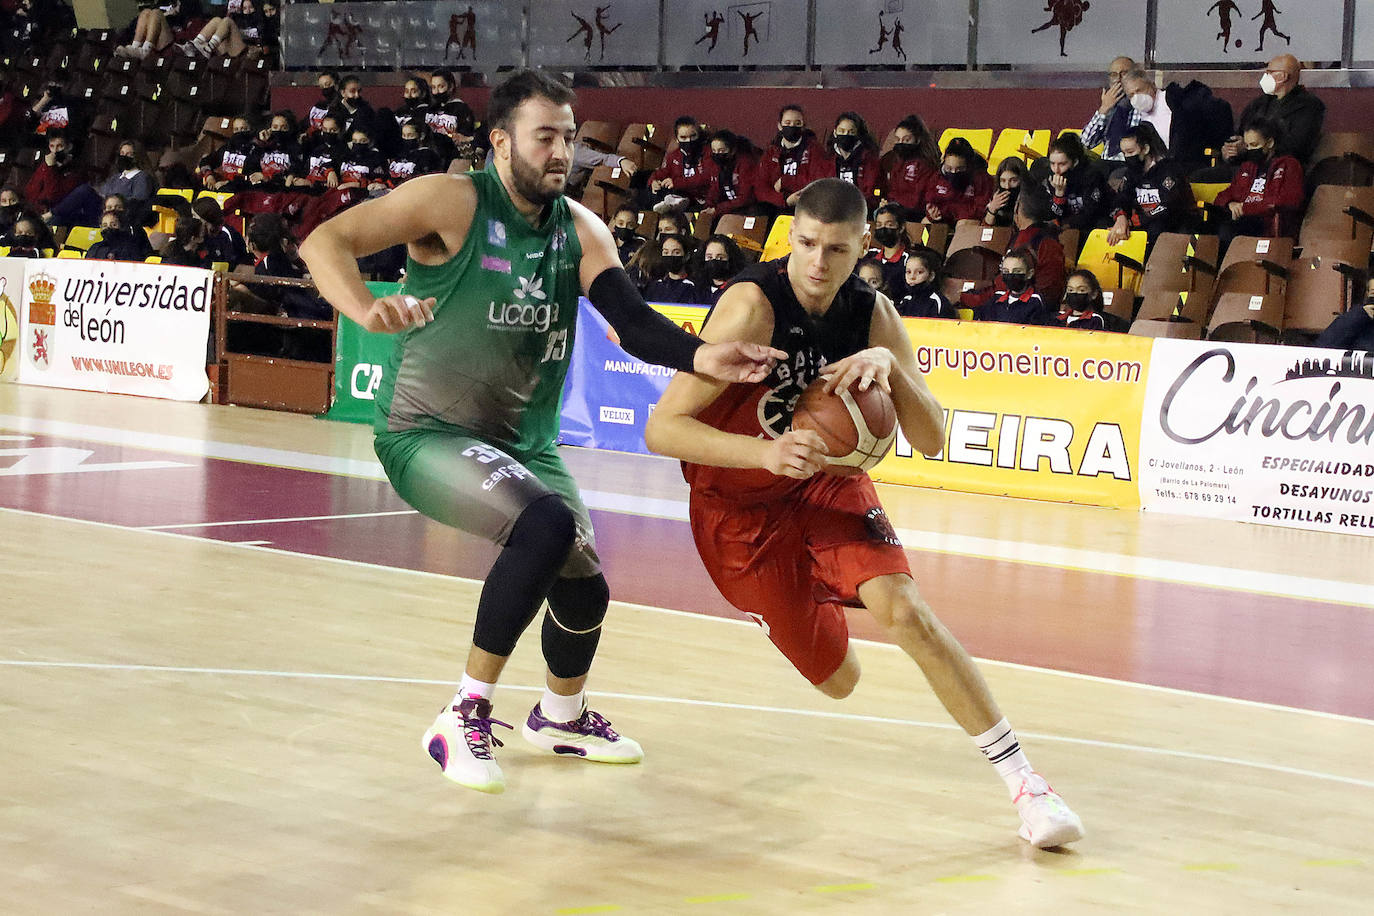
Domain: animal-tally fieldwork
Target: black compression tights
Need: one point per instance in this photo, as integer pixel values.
(523, 574)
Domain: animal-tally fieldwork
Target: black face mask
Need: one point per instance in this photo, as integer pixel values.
(242, 136)
(359, 147)
(410, 143)
(673, 262)
(723, 159)
(905, 150)
(1077, 302)
(691, 149)
(1257, 156)
(791, 134)
(329, 138)
(124, 163)
(718, 269)
(1135, 165)
(887, 236)
(846, 144)
(623, 234)
(111, 234)
(1017, 283)
(1012, 194)
(26, 241)
(439, 98)
(959, 181)
(281, 136)
(8, 210)
(329, 95)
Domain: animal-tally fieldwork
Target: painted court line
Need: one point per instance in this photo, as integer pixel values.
(273, 521)
(1184, 573)
(735, 621)
(685, 701)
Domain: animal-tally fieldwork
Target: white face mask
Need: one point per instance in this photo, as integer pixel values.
(1143, 102)
(1268, 84)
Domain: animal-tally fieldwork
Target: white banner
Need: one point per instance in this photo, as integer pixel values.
(11, 287)
(1274, 435)
(116, 327)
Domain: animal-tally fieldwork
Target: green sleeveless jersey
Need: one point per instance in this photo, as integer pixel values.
(493, 361)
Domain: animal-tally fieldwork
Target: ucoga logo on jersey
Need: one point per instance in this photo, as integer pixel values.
(522, 316)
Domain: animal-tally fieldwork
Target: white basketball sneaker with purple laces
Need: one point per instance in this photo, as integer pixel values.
(1045, 820)
(589, 736)
(460, 741)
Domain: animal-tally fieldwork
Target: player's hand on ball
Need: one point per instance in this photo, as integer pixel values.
(867, 367)
(798, 453)
(390, 314)
(736, 361)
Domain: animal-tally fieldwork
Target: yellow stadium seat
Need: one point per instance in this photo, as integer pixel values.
(218, 196)
(4, 251)
(1022, 144)
(1116, 267)
(166, 220)
(778, 244)
(82, 237)
(965, 314)
(1206, 192)
(69, 253)
(221, 266)
(188, 193)
(153, 259)
(979, 138)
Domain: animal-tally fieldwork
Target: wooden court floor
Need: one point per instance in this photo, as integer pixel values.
(221, 640)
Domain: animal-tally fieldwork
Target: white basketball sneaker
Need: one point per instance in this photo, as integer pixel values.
(460, 741)
(589, 736)
(1045, 820)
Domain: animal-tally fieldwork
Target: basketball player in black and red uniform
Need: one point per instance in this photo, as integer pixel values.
(791, 547)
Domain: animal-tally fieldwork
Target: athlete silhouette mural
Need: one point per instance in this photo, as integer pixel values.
(1224, 10)
(714, 20)
(462, 31)
(1066, 14)
(894, 33)
(589, 31)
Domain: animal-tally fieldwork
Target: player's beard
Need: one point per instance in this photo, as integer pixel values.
(532, 183)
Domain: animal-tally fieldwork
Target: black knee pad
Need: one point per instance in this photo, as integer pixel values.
(572, 626)
(523, 574)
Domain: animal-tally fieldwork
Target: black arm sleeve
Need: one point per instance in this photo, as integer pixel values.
(644, 333)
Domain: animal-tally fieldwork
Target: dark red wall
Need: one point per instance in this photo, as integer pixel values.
(754, 111)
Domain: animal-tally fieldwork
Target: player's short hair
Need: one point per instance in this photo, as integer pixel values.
(517, 88)
(832, 200)
(1034, 203)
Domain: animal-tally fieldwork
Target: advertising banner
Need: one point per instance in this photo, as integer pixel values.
(11, 286)
(116, 327)
(1274, 435)
(360, 359)
(1041, 413)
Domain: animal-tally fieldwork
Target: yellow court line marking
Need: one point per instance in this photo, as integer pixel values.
(964, 879)
(1333, 863)
(1076, 872)
(1212, 866)
(841, 888)
(717, 898)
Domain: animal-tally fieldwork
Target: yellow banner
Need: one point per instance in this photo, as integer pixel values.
(1042, 413)
(687, 317)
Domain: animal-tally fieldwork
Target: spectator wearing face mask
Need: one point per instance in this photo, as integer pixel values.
(321, 161)
(130, 177)
(1156, 196)
(130, 182)
(1012, 299)
(414, 102)
(1286, 103)
(415, 157)
(1011, 174)
(785, 167)
(30, 238)
(328, 83)
(54, 178)
(186, 247)
(10, 208)
(1036, 234)
(1078, 192)
(721, 259)
(352, 111)
(850, 154)
(682, 181)
(1115, 116)
(889, 238)
(228, 168)
(1266, 198)
(673, 282)
(1353, 330)
(624, 224)
(450, 117)
(222, 242)
(362, 165)
(961, 190)
(1189, 119)
(923, 298)
(908, 167)
(55, 113)
(1082, 307)
(117, 242)
(278, 162)
(732, 189)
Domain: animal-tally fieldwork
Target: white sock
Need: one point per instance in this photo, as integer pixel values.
(147, 46)
(471, 687)
(213, 42)
(1003, 751)
(560, 708)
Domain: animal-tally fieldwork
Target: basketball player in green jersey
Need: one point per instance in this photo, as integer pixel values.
(468, 407)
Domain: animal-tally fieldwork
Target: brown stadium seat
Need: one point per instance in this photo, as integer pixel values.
(1343, 158)
(1319, 289)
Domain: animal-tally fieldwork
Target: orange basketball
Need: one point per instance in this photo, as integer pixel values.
(858, 426)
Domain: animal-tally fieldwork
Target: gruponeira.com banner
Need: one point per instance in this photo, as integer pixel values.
(1274, 435)
(1043, 413)
(123, 328)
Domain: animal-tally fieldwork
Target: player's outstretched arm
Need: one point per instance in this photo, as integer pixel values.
(431, 214)
(742, 314)
(643, 332)
(922, 419)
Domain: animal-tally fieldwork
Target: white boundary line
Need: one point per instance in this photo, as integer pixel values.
(272, 521)
(694, 615)
(1092, 561)
(712, 704)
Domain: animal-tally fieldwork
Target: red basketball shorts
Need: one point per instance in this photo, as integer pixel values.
(794, 564)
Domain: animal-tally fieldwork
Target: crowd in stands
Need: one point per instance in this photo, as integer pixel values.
(1131, 169)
